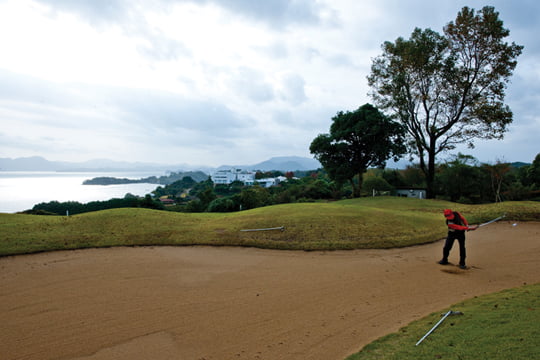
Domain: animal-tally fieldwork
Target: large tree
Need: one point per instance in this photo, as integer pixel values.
(358, 140)
(447, 89)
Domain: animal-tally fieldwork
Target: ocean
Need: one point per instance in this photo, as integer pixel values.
(21, 190)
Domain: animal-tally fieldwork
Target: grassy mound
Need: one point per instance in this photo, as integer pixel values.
(382, 222)
(498, 326)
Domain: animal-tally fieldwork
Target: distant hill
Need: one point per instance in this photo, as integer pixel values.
(198, 176)
(282, 163)
(519, 164)
(38, 163)
(34, 163)
(288, 163)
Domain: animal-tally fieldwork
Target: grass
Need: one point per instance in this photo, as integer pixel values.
(498, 326)
(382, 222)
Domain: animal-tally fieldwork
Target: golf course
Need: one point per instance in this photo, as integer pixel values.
(351, 279)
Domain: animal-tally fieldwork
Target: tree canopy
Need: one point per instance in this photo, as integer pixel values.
(358, 140)
(447, 89)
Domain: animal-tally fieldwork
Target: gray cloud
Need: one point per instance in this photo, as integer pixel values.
(251, 84)
(45, 103)
(277, 50)
(311, 61)
(278, 13)
(159, 110)
(293, 89)
(275, 12)
(96, 12)
(159, 47)
(143, 117)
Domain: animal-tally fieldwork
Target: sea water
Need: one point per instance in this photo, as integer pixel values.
(21, 190)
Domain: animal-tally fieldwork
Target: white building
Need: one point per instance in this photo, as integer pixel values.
(228, 176)
(419, 193)
(267, 182)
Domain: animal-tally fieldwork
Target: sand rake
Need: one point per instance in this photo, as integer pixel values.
(492, 221)
(449, 313)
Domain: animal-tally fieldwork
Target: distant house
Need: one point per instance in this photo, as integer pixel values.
(166, 201)
(419, 193)
(228, 176)
(267, 182)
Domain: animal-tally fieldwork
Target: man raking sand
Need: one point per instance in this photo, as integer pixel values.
(457, 225)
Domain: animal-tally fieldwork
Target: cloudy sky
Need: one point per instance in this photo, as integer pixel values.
(212, 82)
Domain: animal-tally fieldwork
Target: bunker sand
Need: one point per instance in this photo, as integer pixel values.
(238, 303)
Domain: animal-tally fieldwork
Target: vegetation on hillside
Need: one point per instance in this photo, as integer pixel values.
(357, 141)
(461, 179)
(380, 222)
(75, 207)
(164, 180)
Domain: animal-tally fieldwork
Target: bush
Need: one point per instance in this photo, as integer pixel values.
(222, 205)
(376, 183)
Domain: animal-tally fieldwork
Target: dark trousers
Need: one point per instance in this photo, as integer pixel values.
(460, 237)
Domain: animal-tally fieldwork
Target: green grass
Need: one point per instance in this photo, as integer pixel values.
(382, 222)
(500, 326)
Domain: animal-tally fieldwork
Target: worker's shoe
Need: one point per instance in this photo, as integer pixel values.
(443, 262)
(463, 266)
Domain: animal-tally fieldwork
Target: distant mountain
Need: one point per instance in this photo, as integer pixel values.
(287, 163)
(283, 163)
(34, 163)
(38, 163)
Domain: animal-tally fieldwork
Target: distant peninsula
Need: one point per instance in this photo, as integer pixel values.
(198, 176)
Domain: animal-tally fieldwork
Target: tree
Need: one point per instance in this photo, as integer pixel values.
(497, 174)
(393, 177)
(175, 188)
(206, 197)
(222, 205)
(413, 176)
(150, 203)
(253, 197)
(461, 180)
(375, 183)
(358, 140)
(533, 172)
(447, 89)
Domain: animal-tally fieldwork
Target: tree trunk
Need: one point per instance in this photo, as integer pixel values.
(357, 188)
(356, 192)
(360, 181)
(430, 175)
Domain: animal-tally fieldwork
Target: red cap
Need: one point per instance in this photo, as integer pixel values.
(448, 214)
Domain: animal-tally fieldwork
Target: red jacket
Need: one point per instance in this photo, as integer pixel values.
(457, 223)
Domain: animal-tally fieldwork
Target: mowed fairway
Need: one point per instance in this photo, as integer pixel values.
(242, 303)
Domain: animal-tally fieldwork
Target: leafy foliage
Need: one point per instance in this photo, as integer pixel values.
(358, 140)
(176, 188)
(462, 180)
(74, 207)
(447, 89)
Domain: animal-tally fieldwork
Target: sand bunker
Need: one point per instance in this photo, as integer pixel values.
(235, 303)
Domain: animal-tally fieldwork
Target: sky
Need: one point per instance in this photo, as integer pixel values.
(213, 82)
